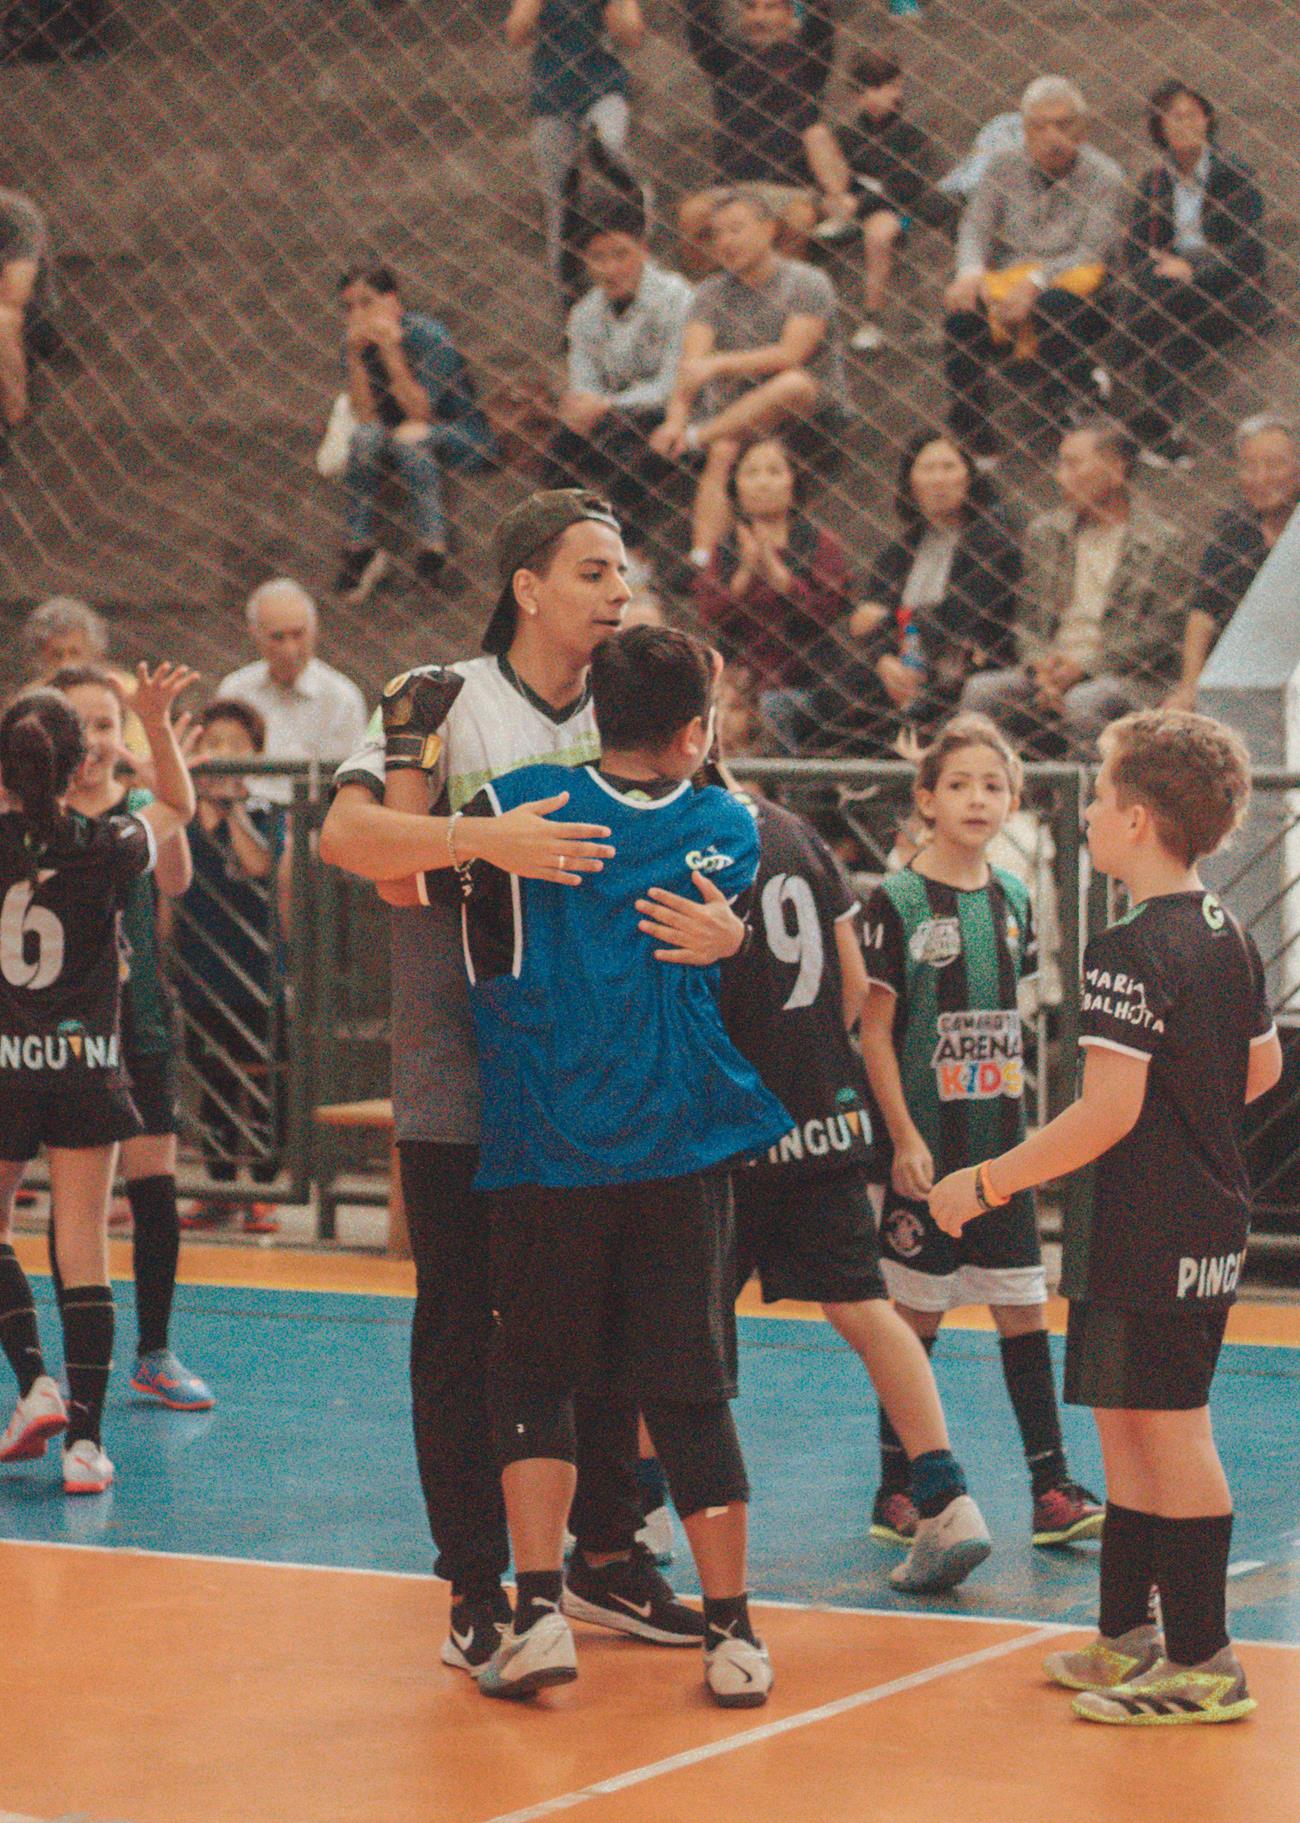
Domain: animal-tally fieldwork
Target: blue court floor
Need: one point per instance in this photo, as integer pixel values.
(308, 1459)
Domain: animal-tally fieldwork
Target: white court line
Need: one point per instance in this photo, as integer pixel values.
(768, 1731)
(757, 1601)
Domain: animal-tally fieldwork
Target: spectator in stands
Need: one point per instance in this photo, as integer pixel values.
(767, 83)
(778, 580)
(578, 95)
(625, 340)
(1004, 133)
(65, 631)
(1196, 261)
(1035, 246)
(939, 607)
(310, 710)
(228, 946)
(762, 349)
(1100, 604)
(890, 168)
(415, 408)
(740, 729)
(1268, 476)
(27, 301)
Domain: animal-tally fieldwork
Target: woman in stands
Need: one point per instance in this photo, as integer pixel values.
(940, 604)
(777, 581)
(63, 880)
(148, 1161)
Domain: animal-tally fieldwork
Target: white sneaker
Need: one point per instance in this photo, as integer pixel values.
(868, 339)
(738, 1673)
(86, 1469)
(531, 1661)
(945, 1550)
(37, 1418)
(656, 1535)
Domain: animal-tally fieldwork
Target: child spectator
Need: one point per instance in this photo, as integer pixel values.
(891, 166)
(948, 941)
(1177, 1036)
(228, 943)
(27, 300)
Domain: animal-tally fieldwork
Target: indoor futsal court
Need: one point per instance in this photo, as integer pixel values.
(245, 1630)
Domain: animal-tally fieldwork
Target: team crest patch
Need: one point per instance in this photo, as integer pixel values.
(936, 941)
(1013, 930)
(1213, 912)
(904, 1232)
(708, 860)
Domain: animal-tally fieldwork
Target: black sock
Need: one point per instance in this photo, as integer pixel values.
(650, 1480)
(88, 1354)
(1128, 1569)
(1027, 1369)
(19, 1335)
(1192, 1572)
(727, 1617)
(537, 1592)
(155, 1249)
(895, 1469)
(937, 1480)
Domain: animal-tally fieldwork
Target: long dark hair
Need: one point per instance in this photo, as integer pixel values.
(41, 746)
(981, 499)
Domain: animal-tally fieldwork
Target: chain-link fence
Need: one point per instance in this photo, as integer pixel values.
(206, 172)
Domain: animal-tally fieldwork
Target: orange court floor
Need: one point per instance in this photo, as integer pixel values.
(155, 1686)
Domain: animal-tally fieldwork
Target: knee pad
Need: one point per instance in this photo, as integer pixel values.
(529, 1424)
(700, 1453)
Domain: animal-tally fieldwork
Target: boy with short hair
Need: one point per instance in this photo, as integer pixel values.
(612, 1104)
(1178, 1037)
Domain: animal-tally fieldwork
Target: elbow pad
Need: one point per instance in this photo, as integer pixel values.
(414, 707)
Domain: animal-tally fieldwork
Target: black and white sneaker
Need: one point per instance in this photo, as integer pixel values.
(630, 1596)
(359, 571)
(478, 1625)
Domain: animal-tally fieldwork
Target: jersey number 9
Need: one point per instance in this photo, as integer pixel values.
(801, 946)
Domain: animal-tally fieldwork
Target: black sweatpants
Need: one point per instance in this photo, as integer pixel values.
(450, 1336)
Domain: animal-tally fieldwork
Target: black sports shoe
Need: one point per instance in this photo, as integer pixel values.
(477, 1625)
(430, 564)
(359, 571)
(630, 1596)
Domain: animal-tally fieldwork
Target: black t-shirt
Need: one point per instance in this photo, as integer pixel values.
(782, 999)
(61, 957)
(1166, 1215)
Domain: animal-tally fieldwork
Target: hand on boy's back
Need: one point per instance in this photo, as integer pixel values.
(698, 932)
(953, 1201)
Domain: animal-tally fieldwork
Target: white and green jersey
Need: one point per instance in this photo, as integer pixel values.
(494, 724)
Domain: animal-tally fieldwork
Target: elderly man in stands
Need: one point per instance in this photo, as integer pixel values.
(1036, 244)
(1100, 603)
(762, 349)
(1268, 477)
(311, 711)
(767, 82)
(625, 340)
(27, 300)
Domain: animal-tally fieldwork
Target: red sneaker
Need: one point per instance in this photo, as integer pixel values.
(1067, 1515)
(260, 1218)
(893, 1518)
(203, 1214)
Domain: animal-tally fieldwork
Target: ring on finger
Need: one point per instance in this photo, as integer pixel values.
(560, 863)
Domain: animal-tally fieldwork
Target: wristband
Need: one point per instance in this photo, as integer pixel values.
(985, 1195)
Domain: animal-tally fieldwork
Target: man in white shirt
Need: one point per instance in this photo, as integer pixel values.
(312, 712)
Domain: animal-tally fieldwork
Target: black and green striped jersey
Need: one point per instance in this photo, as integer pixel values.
(147, 1020)
(1162, 1218)
(954, 960)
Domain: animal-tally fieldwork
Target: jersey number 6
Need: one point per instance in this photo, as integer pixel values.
(31, 940)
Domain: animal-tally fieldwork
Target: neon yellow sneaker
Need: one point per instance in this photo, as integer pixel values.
(1170, 1695)
(1105, 1663)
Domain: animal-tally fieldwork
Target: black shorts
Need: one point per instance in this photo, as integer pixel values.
(154, 1090)
(1159, 1359)
(624, 1286)
(808, 1237)
(996, 1260)
(97, 1110)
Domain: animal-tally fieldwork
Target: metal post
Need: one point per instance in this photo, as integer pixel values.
(305, 1025)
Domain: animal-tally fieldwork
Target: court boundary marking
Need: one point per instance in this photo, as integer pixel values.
(786, 1724)
(426, 1576)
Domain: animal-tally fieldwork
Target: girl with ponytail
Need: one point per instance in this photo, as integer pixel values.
(63, 880)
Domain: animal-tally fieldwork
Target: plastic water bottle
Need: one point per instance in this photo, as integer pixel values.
(911, 650)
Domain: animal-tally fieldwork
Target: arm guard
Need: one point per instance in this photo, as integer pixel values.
(415, 706)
